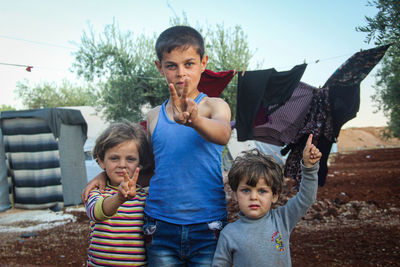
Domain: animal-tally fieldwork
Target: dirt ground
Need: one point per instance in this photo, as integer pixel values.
(355, 221)
(351, 139)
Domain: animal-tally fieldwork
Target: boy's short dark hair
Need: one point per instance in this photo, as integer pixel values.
(253, 166)
(120, 132)
(179, 37)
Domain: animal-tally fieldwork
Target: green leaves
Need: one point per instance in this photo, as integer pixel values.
(384, 28)
(121, 66)
(49, 95)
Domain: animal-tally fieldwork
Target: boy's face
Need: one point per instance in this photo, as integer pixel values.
(124, 156)
(182, 64)
(255, 202)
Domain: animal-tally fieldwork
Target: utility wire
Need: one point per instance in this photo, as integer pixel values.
(36, 42)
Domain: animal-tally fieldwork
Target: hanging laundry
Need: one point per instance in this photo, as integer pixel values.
(281, 127)
(213, 83)
(144, 125)
(345, 103)
(268, 89)
(344, 84)
(332, 106)
(357, 67)
(318, 122)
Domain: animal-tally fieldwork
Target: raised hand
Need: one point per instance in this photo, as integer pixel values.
(311, 153)
(184, 109)
(127, 189)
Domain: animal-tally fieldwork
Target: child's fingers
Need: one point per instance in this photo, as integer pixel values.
(314, 150)
(172, 91)
(185, 116)
(181, 118)
(123, 189)
(315, 156)
(135, 176)
(126, 176)
(191, 105)
(174, 96)
(132, 183)
(185, 89)
(309, 140)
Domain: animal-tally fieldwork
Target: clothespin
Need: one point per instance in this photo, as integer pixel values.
(304, 61)
(29, 68)
(234, 71)
(243, 72)
(316, 61)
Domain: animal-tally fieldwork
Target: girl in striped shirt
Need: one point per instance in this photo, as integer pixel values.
(116, 214)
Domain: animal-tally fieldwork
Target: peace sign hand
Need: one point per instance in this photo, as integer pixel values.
(127, 189)
(184, 109)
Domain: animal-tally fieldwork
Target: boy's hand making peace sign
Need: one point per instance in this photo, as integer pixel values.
(311, 153)
(184, 108)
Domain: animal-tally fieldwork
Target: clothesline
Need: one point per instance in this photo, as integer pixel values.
(27, 67)
(142, 77)
(316, 61)
(36, 42)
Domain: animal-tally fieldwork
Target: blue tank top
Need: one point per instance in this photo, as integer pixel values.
(187, 187)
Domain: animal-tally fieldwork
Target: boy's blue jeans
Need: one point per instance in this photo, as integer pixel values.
(180, 245)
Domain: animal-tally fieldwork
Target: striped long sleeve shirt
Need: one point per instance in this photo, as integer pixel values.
(116, 240)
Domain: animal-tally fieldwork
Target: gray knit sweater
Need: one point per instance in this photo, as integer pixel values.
(265, 241)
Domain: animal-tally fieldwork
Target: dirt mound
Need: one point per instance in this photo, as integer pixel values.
(351, 139)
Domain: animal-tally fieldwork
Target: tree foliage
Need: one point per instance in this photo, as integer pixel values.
(384, 28)
(6, 107)
(121, 66)
(49, 95)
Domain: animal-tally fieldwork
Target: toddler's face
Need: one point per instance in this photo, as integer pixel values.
(124, 156)
(255, 202)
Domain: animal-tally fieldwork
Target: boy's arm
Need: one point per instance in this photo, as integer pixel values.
(216, 128)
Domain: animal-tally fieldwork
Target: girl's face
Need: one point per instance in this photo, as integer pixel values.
(124, 156)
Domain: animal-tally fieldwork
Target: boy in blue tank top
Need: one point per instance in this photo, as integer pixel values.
(186, 206)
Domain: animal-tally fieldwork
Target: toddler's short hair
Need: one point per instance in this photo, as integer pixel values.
(179, 37)
(253, 166)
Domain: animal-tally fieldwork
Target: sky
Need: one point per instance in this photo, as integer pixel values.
(45, 33)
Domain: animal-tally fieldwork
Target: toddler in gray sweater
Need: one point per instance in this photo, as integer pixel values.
(260, 237)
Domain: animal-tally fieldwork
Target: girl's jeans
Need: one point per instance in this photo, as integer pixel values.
(180, 245)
